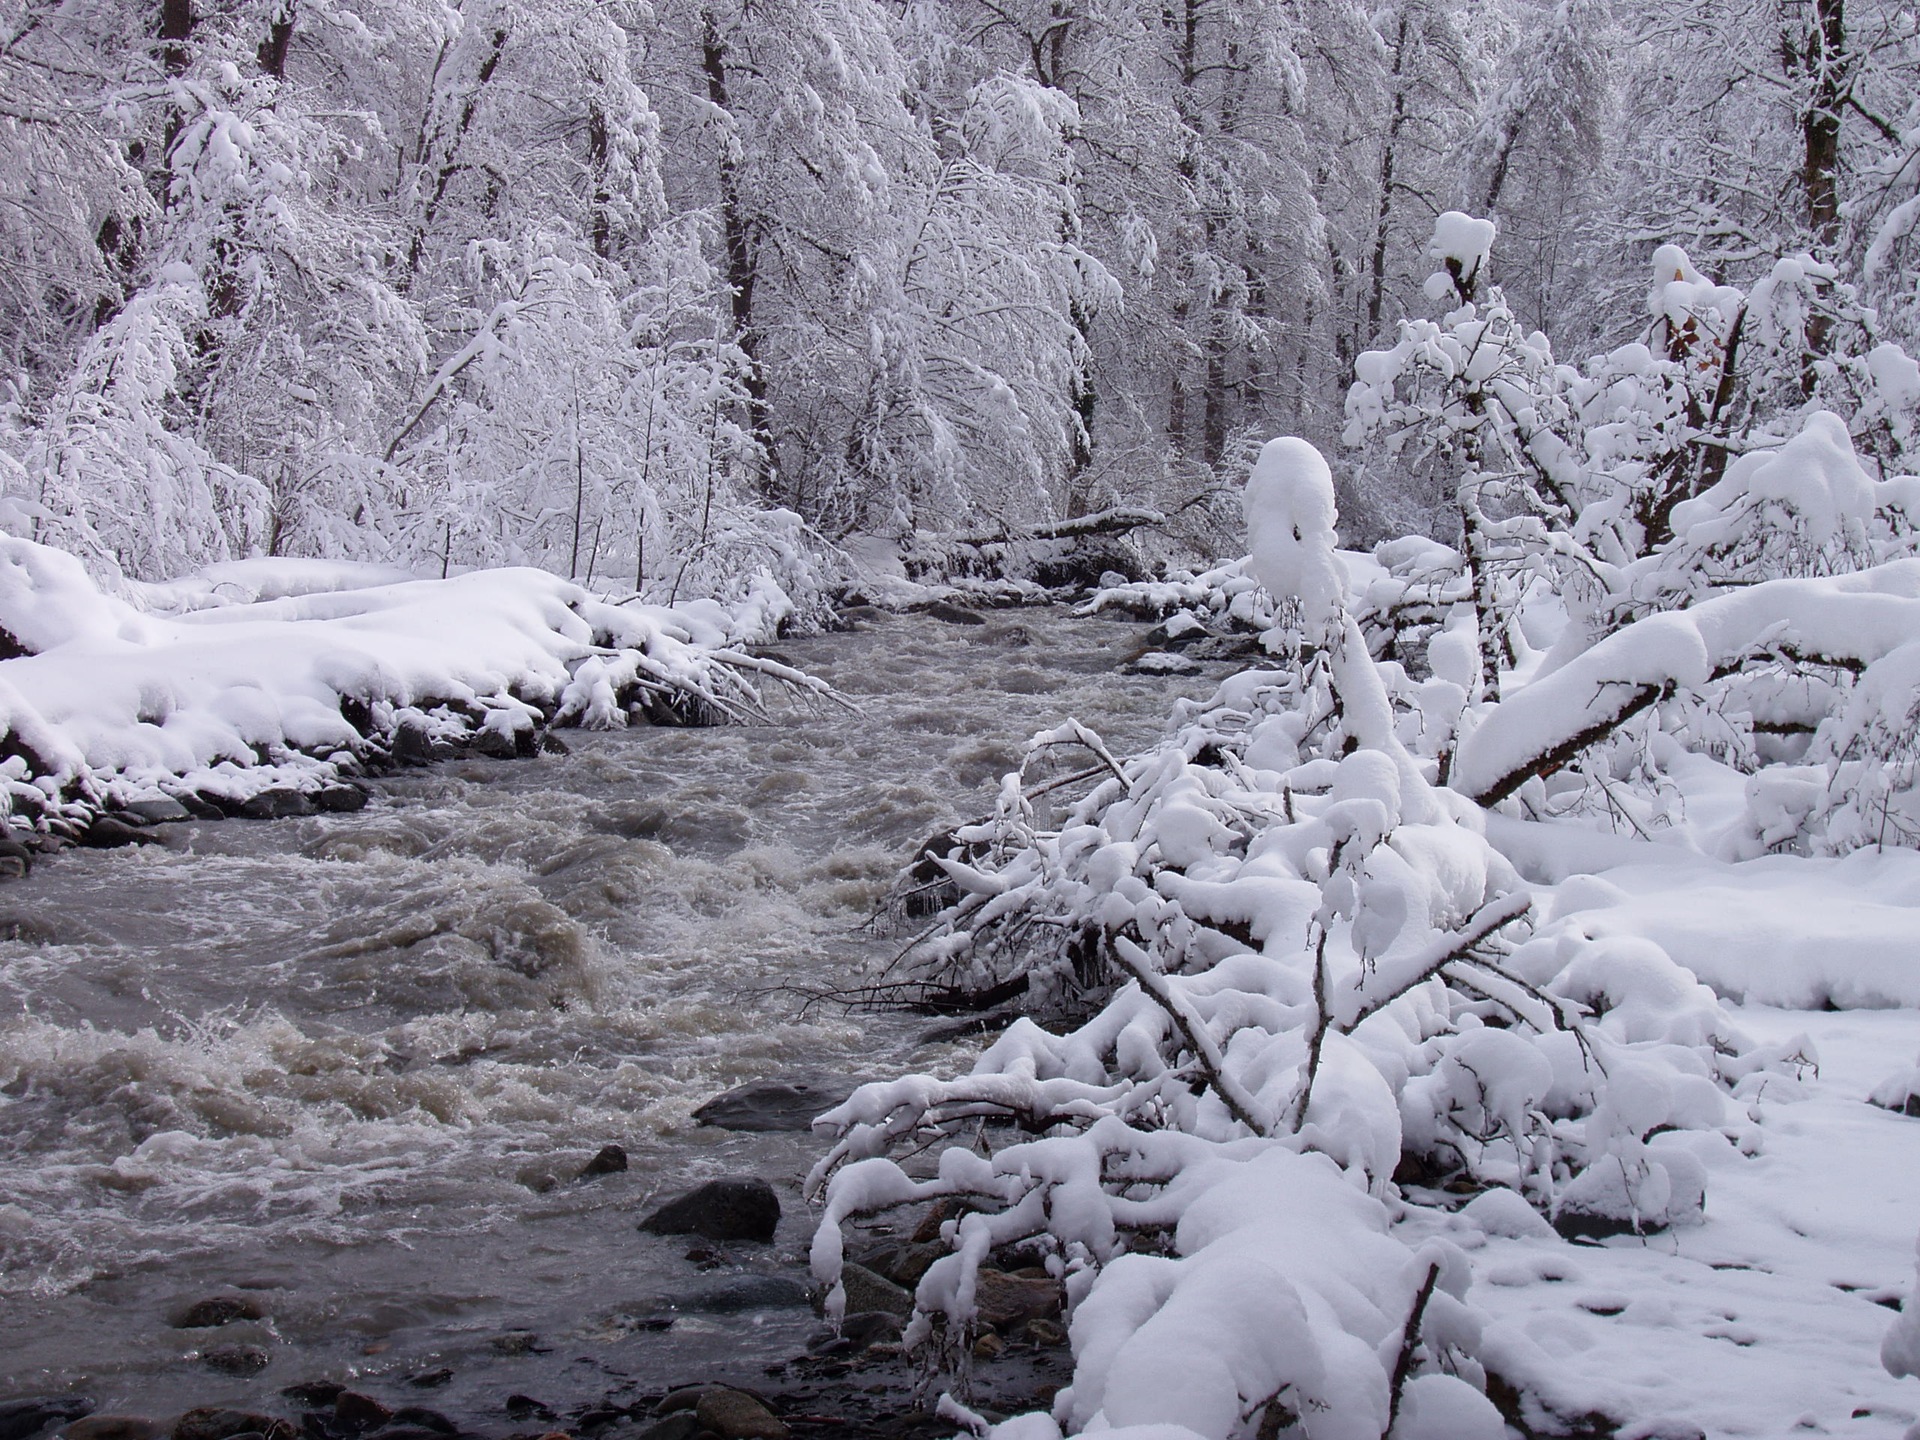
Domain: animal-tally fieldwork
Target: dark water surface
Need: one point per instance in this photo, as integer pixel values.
(346, 1065)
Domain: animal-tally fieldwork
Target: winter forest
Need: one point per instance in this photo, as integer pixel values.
(1198, 720)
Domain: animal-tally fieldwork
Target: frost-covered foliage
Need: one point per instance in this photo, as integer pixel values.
(1608, 513)
(287, 674)
(1315, 982)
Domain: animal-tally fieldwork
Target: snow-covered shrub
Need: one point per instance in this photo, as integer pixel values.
(1316, 977)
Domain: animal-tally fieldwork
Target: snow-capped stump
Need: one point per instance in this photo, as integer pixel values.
(1899, 1093)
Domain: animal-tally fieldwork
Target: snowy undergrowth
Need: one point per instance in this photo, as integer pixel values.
(1327, 999)
(287, 674)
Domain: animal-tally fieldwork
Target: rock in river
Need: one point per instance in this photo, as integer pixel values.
(774, 1104)
(216, 1310)
(735, 1208)
(31, 1414)
(736, 1415)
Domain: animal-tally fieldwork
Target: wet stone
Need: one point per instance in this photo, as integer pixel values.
(107, 833)
(774, 1105)
(339, 799)
(418, 1417)
(952, 614)
(279, 804)
(611, 1160)
(1008, 1300)
(314, 1393)
(736, 1415)
(217, 1310)
(214, 1423)
(113, 1427)
(30, 1414)
(357, 1412)
(236, 1359)
(867, 1291)
(736, 1208)
(16, 860)
(156, 812)
(734, 1293)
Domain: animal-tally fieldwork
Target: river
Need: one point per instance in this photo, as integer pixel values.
(345, 1067)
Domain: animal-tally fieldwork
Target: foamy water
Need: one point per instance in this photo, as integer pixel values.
(346, 1064)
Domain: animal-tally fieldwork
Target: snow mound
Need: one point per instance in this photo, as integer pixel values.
(276, 674)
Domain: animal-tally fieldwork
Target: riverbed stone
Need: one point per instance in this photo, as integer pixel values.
(611, 1160)
(773, 1105)
(736, 1415)
(279, 803)
(730, 1294)
(867, 1291)
(210, 1422)
(738, 1207)
(160, 811)
(16, 860)
(339, 799)
(357, 1412)
(217, 1310)
(113, 1427)
(681, 1425)
(236, 1359)
(107, 833)
(1007, 1300)
(952, 614)
(30, 1414)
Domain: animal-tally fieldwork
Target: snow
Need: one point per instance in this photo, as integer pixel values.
(238, 678)
(1462, 243)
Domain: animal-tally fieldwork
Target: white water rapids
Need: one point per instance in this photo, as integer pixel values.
(338, 1064)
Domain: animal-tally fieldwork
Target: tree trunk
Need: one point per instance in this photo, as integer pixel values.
(742, 258)
(273, 49)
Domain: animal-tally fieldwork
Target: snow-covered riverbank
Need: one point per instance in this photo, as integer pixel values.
(281, 677)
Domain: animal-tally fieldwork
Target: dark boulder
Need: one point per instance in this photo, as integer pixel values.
(774, 1104)
(952, 614)
(216, 1310)
(212, 1423)
(156, 812)
(30, 1414)
(107, 833)
(611, 1160)
(735, 1208)
(277, 804)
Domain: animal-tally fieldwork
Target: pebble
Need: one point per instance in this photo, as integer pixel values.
(736, 1415)
(735, 1208)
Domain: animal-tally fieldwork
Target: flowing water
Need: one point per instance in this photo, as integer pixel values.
(346, 1066)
